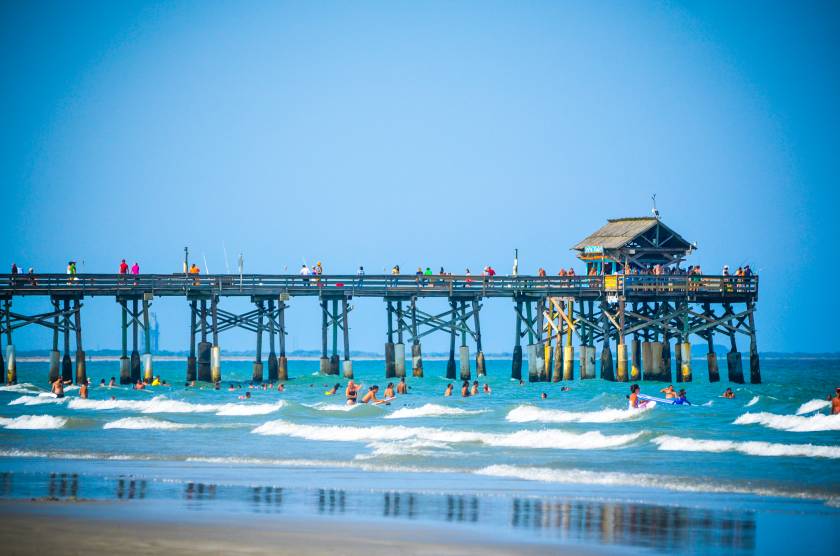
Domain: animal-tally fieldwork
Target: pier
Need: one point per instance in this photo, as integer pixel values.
(643, 323)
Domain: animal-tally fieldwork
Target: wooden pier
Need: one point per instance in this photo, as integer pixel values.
(555, 313)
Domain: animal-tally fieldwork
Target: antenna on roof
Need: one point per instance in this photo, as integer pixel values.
(655, 210)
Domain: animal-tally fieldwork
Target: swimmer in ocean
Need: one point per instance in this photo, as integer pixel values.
(486, 388)
(370, 396)
(247, 396)
(474, 389)
(389, 390)
(465, 389)
(835, 403)
(351, 392)
(669, 392)
(729, 394)
(58, 388)
(333, 390)
(634, 396)
(402, 387)
(448, 391)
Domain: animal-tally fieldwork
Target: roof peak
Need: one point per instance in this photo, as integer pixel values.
(632, 218)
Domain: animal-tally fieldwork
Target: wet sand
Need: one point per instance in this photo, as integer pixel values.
(93, 528)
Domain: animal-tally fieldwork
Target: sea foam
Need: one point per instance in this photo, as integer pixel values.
(33, 422)
(813, 405)
(529, 413)
(791, 423)
(549, 438)
(752, 402)
(161, 404)
(431, 410)
(752, 448)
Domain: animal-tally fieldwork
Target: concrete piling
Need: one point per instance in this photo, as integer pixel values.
(390, 362)
(55, 362)
(755, 367)
(734, 367)
(282, 362)
(399, 360)
(677, 361)
(480, 369)
(569, 360)
(347, 368)
(272, 356)
(621, 362)
(282, 368)
(450, 364)
(147, 367)
(347, 365)
(464, 353)
(636, 360)
(416, 360)
(516, 365)
(607, 372)
(192, 374)
(557, 373)
(203, 361)
(588, 360)
(257, 375)
(655, 358)
(665, 364)
(125, 370)
(215, 355)
(685, 352)
(533, 374)
(540, 355)
(11, 364)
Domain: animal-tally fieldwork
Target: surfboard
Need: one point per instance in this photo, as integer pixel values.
(658, 400)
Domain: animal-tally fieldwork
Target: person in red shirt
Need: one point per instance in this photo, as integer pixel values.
(123, 267)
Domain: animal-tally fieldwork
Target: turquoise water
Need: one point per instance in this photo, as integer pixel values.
(577, 467)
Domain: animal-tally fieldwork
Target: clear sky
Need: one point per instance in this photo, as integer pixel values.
(418, 133)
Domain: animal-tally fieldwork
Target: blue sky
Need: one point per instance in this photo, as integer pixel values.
(426, 133)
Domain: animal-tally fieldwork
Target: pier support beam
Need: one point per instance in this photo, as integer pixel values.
(282, 362)
(66, 362)
(516, 364)
(257, 375)
(147, 343)
(135, 353)
(665, 362)
(215, 351)
(55, 356)
(390, 368)
(607, 372)
(734, 366)
(416, 353)
(568, 349)
(636, 360)
(464, 351)
(480, 369)
(450, 364)
(347, 365)
(755, 367)
(10, 368)
(685, 357)
(399, 360)
(648, 370)
(621, 347)
(677, 361)
(204, 347)
(81, 363)
(711, 356)
(272, 356)
(334, 357)
(191, 359)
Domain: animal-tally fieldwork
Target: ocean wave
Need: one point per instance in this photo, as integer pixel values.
(752, 402)
(612, 478)
(33, 422)
(146, 423)
(547, 438)
(791, 423)
(752, 448)
(404, 448)
(529, 413)
(813, 405)
(431, 410)
(324, 406)
(37, 400)
(161, 404)
(23, 387)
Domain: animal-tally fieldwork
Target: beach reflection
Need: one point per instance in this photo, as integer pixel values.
(129, 489)
(265, 499)
(659, 527)
(63, 485)
(331, 501)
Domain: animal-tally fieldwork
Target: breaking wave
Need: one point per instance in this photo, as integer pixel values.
(33, 422)
(554, 439)
(752, 402)
(145, 423)
(813, 405)
(431, 410)
(37, 400)
(791, 423)
(25, 387)
(529, 413)
(161, 404)
(752, 448)
(610, 478)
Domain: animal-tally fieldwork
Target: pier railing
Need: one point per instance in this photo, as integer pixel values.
(640, 286)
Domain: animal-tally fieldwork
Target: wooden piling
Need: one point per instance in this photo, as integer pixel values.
(607, 372)
(648, 370)
(81, 363)
(516, 360)
(755, 367)
(621, 347)
(347, 365)
(272, 356)
(324, 362)
(282, 362)
(191, 359)
(464, 351)
(416, 352)
(390, 363)
(66, 362)
(480, 368)
(257, 375)
(665, 364)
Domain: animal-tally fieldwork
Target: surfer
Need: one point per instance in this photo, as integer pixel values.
(370, 396)
(634, 396)
(58, 388)
(402, 387)
(729, 394)
(669, 392)
(389, 390)
(448, 391)
(465, 389)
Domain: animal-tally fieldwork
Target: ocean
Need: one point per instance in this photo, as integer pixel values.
(758, 474)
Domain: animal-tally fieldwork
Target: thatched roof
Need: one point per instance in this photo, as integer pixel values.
(618, 232)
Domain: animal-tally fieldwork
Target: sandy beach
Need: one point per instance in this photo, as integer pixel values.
(92, 528)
